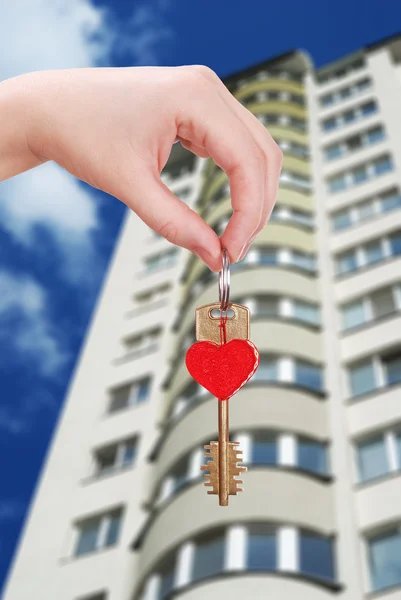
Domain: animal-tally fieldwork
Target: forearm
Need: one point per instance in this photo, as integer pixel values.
(17, 113)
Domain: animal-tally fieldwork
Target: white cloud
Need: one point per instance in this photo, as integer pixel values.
(25, 330)
(58, 34)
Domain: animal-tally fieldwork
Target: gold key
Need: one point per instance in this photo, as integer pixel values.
(223, 456)
(222, 360)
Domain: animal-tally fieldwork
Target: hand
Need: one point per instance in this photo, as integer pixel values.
(114, 128)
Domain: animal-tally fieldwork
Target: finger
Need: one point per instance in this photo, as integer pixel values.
(172, 218)
(275, 155)
(198, 150)
(228, 140)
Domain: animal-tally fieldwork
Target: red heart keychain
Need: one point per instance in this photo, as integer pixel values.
(222, 369)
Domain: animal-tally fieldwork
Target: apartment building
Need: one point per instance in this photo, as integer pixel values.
(121, 512)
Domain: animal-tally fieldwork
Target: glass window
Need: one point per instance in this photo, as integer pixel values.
(327, 100)
(383, 165)
(166, 572)
(365, 210)
(329, 124)
(113, 529)
(209, 556)
(353, 314)
(129, 395)
(268, 256)
(384, 558)
(362, 378)
(304, 261)
(308, 375)
(345, 93)
(302, 217)
(106, 459)
(267, 370)
(375, 135)
(312, 455)
(390, 201)
(372, 458)
(382, 303)
(341, 220)
(363, 84)
(180, 472)
(119, 398)
(264, 448)
(392, 367)
(373, 252)
(333, 152)
(395, 244)
(346, 262)
(261, 548)
(349, 116)
(129, 452)
(304, 311)
(336, 184)
(87, 536)
(368, 109)
(354, 143)
(359, 175)
(316, 556)
(398, 443)
(267, 306)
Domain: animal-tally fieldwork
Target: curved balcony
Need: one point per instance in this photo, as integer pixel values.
(247, 282)
(269, 250)
(273, 340)
(276, 404)
(271, 84)
(278, 108)
(378, 502)
(193, 511)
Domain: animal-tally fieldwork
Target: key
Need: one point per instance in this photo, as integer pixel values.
(222, 360)
(224, 457)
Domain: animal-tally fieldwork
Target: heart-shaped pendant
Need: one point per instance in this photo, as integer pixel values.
(222, 370)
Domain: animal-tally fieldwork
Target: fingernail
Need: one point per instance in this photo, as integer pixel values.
(206, 256)
(244, 250)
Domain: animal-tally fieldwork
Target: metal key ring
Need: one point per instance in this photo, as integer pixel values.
(224, 282)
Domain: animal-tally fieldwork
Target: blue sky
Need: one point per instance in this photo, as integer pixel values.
(56, 234)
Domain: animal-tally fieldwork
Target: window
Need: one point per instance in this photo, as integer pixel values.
(261, 548)
(303, 261)
(341, 220)
(316, 556)
(395, 244)
(142, 343)
(345, 92)
(383, 165)
(161, 260)
(353, 314)
(373, 252)
(359, 175)
(346, 262)
(375, 135)
(264, 448)
(368, 109)
(362, 378)
(268, 256)
(382, 303)
(98, 532)
(308, 375)
(384, 559)
(166, 572)
(144, 299)
(332, 152)
(329, 125)
(312, 455)
(365, 210)
(115, 456)
(180, 472)
(372, 458)
(130, 394)
(267, 370)
(304, 311)
(267, 306)
(390, 201)
(209, 556)
(337, 184)
(392, 368)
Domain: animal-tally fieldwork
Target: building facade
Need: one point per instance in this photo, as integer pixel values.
(121, 512)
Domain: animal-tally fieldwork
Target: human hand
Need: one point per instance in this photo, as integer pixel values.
(114, 128)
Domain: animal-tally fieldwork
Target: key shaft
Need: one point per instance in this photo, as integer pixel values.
(223, 452)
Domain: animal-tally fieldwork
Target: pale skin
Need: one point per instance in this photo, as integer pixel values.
(114, 128)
